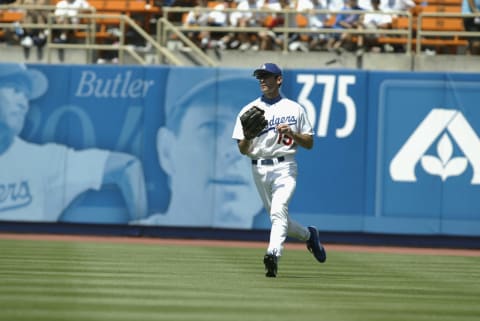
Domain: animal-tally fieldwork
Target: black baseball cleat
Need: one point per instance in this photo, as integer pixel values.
(314, 245)
(270, 261)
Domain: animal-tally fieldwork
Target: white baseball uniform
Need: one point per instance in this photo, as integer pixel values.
(37, 182)
(274, 167)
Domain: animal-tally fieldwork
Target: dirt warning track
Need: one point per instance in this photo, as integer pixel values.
(229, 243)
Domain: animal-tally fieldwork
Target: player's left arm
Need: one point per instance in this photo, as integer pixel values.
(126, 172)
(303, 140)
(302, 133)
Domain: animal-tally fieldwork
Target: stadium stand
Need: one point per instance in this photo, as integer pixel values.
(429, 16)
(436, 24)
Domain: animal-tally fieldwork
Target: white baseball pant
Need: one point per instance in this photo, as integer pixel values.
(276, 184)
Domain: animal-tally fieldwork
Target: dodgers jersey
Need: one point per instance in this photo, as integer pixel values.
(37, 182)
(269, 143)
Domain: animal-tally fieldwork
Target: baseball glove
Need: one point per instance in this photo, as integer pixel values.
(253, 122)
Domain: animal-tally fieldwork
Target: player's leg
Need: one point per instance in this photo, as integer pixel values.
(283, 186)
(310, 236)
(277, 210)
(297, 231)
(314, 245)
(270, 260)
(263, 187)
(278, 234)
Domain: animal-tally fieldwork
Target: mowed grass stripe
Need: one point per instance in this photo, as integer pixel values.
(42, 280)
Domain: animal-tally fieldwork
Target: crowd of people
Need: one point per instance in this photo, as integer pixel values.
(65, 12)
(336, 15)
(308, 14)
(67, 20)
(369, 17)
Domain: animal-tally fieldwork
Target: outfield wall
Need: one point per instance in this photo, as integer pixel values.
(395, 152)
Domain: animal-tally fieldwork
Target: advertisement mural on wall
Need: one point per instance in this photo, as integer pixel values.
(393, 152)
(429, 151)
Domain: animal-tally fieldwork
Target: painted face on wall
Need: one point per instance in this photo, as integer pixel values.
(207, 174)
(14, 105)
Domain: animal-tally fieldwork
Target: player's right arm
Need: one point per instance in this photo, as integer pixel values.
(244, 146)
(238, 135)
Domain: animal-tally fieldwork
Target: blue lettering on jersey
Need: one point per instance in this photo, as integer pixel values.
(274, 121)
(14, 195)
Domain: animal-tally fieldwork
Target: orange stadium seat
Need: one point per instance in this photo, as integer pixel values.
(11, 16)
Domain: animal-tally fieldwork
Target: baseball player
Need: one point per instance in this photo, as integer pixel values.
(272, 151)
(37, 182)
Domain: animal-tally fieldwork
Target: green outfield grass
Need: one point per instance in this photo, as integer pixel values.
(54, 280)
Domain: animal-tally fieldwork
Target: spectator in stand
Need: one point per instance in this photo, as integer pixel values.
(397, 5)
(472, 24)
(217, 17)
(270, 20)
(365, 5)
(295, 40)
(401, 6)
(197, 17)
(36, 16)
(373, 20)
(243, 18)
(177, 17)
(336, 5)
(220, 18)
(314, 20)
(340, 41)
(39, 36)
(29, 37)
(66, 12)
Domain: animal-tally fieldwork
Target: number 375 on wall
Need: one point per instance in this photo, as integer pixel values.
(308, 82)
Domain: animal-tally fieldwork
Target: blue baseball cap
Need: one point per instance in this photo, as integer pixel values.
(32, 81)
(268, 68)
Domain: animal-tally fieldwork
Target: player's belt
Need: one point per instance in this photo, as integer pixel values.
(268, 161)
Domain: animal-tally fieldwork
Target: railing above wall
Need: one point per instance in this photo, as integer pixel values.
(89, 33)
(443, 28)
(124, 22)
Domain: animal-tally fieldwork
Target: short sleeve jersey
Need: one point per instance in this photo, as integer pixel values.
(269, 143)
(42, 180)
